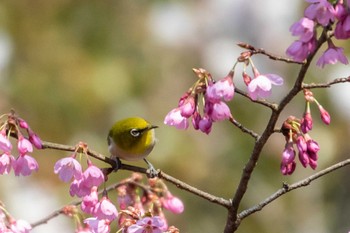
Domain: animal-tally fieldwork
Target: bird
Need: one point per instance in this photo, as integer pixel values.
(132, 139)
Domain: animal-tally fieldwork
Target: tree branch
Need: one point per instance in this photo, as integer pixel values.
(214, 199)
(272, 106)
(325, 85)
(254, 50)
(287, 188)
(161, 174)
(232, 222)
(244, 129)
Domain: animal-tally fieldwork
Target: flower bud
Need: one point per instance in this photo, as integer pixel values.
(326, 118)
(35, 140)
(301, 144)
(306, 122)
(312, 146)
(304, 158)
(23, 124)
(205, 124)
(246, 78)
(173, 204)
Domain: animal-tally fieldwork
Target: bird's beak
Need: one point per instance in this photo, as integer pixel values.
(149, 128)
(152, 127)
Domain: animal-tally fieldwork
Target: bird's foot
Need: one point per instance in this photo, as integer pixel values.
(151, 171)
(118, 164)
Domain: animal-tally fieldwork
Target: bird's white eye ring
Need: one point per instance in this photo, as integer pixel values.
(135, 132)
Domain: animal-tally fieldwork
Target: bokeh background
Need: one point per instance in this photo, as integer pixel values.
(71, 68)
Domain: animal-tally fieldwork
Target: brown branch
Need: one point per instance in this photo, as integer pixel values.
(48, 218)
(272, 106)
(161, 174)
(326, 85)
(232, 222)
(214, 199)
(254, 50)
(287, 188)
(244, 129)
(56, 146)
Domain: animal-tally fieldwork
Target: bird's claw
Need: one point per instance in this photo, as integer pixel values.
(118, 164)
(151, 171)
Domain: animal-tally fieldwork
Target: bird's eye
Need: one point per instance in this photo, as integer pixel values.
(135, 132)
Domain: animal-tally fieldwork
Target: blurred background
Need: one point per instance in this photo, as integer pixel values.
(71, 68)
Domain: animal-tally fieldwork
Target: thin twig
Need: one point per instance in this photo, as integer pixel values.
(326, 85)
(272, 106)
(287, 188)
(254, 50)
(47, 218)
(244, 129)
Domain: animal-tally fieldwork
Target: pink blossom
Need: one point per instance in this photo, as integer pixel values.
(105, 210)
(300, 50)
(174, 118)
(165, 226)
(92, 176)
(326, 118)
(261, 85)
(173, 204)
(20, 226)
(147, 224)
(342, 28)
(288, 156)
(183, 98)
(3, 227)
(24, 146)
(25, 165)
(320, 10)
(78, 188)
(6, 163)
(218, 111)
(89, 201)
(303, 28)
(340, 10)
(98, 225)
(332, 55)
(5, 144)
(187, 107)
(67, 168)
(306, 122)
(205, 124)
(222, 89)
